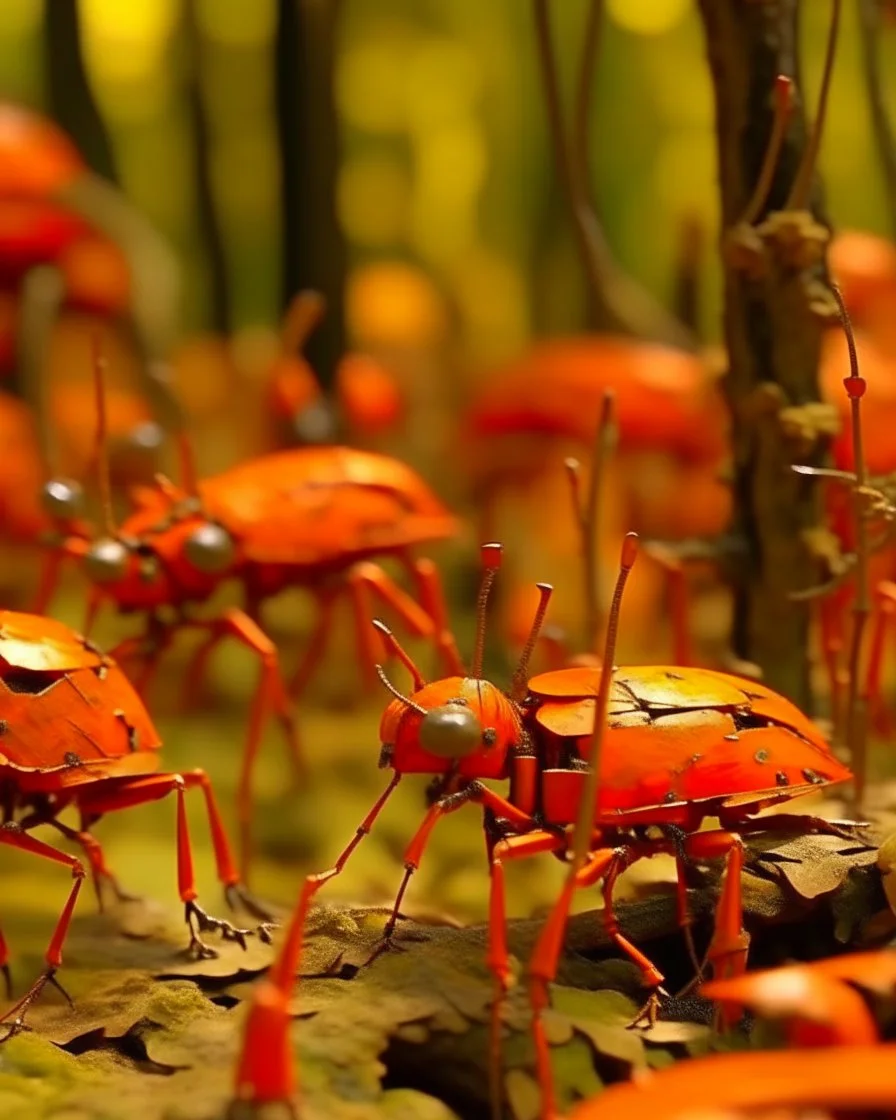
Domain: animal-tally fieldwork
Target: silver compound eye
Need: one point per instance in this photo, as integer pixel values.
(63, 498)
(209, 548)
(106, 561)
(450, 731)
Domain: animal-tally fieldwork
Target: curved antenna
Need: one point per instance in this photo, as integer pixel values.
(304, 314)
(491, 561)
(520, 679)
(398, 650)
(855, 385)
(101, 449)
(406, 700)
(799, 194)
(587, 814)
(587, 515)
(783, 110)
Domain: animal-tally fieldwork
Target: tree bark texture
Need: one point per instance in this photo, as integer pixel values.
(773, 318)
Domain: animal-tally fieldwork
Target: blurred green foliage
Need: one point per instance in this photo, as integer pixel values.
(446, 163)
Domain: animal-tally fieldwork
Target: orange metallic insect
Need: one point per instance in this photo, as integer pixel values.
(311, 518)
(74, 734)
(680, 746)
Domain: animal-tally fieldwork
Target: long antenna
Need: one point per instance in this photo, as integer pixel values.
(587, 813)
(587, 514)
(799, 194)
(104, 479)
(784, 91)
(305, 312)
(491, 561)
(856, 737)
(395, 647)
(520, 679)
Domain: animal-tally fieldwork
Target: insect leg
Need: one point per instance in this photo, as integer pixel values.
(727, 954)
(882, 618)
(96, 857)
(673, 568)
(498, 959)
(265, 1073)
(13, 835)
(432, 596)
(542, 966)
(414, 617)
(325, 602)
(126, 793)
(270, 693)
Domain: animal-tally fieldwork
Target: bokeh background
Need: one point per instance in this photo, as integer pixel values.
(393, 153)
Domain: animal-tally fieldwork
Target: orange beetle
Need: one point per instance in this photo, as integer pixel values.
(680, 746)
(310, 518)
(74, 734)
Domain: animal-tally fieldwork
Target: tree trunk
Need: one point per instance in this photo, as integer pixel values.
(69, 97)
(314, 249)
(773, 339)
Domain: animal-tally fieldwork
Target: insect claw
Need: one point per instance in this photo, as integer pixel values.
(237, 896)
(51, 979)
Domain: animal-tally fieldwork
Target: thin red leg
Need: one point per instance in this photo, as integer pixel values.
(606, 864)
(679, 604)
(197, 671)
(383, 587)
(727, 954)
(96, 858)
(269, 694)
(265, 1073)
(125, 793)
(367, 640)
(830, 617)
(325, 600)
(432, 596)
(498, 959)
(883, 610)
(13, 835)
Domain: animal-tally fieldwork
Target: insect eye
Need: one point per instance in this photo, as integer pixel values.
(63, 498)
(209, 548)
(450, 732)
(106, 561)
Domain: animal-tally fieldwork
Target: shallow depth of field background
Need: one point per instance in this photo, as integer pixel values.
(457, 251)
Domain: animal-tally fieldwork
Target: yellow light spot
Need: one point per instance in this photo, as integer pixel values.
(393, 304)
(236, 23)
(443, 83)
(647, 17)
(490, 291)
(126, 42)
(18, 17)
(373, 196)
(371, 89)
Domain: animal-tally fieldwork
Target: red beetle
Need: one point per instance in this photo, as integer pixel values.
(680, 746)
(74, 734)
(310, 518)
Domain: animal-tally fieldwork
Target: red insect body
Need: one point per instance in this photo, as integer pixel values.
(310, 518)
(74, 733)
(680, 745)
